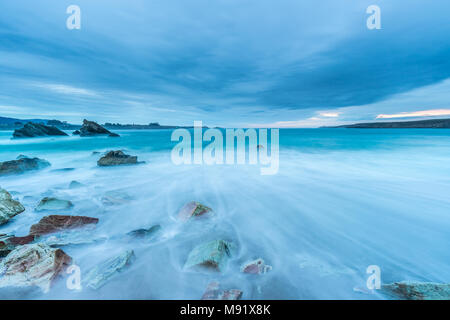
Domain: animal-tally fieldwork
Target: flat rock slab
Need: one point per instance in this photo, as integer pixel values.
(21, 165)
(145, 233)
(58, 223)
(31, 130)
(210, 255)
(101, 274)
(213, 292)
(33, 265)
(52, 204)
(409, 290)
(116, 158)
(9, 208)
(192, 209)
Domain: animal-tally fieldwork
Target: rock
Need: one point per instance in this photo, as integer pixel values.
(56, 223)
(52, 204)
(115, 198)
(33, 265)
(72, 238)
(99, 275)
(75, 184)
(213, 292)
(63, 170)
(76, 133)
(31, 130)
(210, 255)
(256, 267)
(113, 135)
(91, 128)
(22, 165)
(9, 208)
(145, 233)
(115, 158)
(9, 243)
(192, 209)
(410, 290)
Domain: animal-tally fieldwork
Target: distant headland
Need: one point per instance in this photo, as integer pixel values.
(13, 123)
(434, 123)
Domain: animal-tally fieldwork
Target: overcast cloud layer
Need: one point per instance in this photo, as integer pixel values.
(226, 62)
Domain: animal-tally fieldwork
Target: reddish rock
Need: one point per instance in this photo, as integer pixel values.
(192, 209)
(56, 223)
(256, 267)
(213, 292)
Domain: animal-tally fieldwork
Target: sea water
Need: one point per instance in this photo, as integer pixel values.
(342, 200)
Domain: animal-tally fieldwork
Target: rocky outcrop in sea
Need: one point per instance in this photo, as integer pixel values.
(116, 158)
(31, 130)
(22, 164)
(91, 128)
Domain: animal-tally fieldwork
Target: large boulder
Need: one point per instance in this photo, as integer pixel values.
(116, 158)
(210, 255)
(57, 223)
(213, 292)
(91, 128)
(21, 165)
(31, 130)
(411, 290)
(192, 210)
(8, 207)
(52, 204)
(33, 265)
(99, 275)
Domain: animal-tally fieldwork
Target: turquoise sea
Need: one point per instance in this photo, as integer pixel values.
(343, 199)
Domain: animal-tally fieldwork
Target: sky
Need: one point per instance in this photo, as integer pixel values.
(230, 63)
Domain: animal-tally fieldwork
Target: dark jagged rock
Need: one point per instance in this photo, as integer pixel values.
(191, 210)
(115, 158)
(213, 292)
(51, 204)
(411, 290)
(99, 275)
(9, 208)
(91, 128)
(33, 265)
(210, 255)
(76, 133)
(22, 165)
(113, 135)
(57, 223)
(31, 130)
(145, 233)
(8, 243)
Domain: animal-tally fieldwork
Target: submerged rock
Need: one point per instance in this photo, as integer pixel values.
(213, 292)
(22, 165)
(115, 198)
(410, 290)
(192, 209)
(115, 158)
(210, 255)
(72, 238)
(57, 223)
(256, 267)
(51, 204)
(8, 243)
(9, 208)
(145, 233)
(91, 128)
(99, 275)
(75, 184)
(33, 265)
(31, 130)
